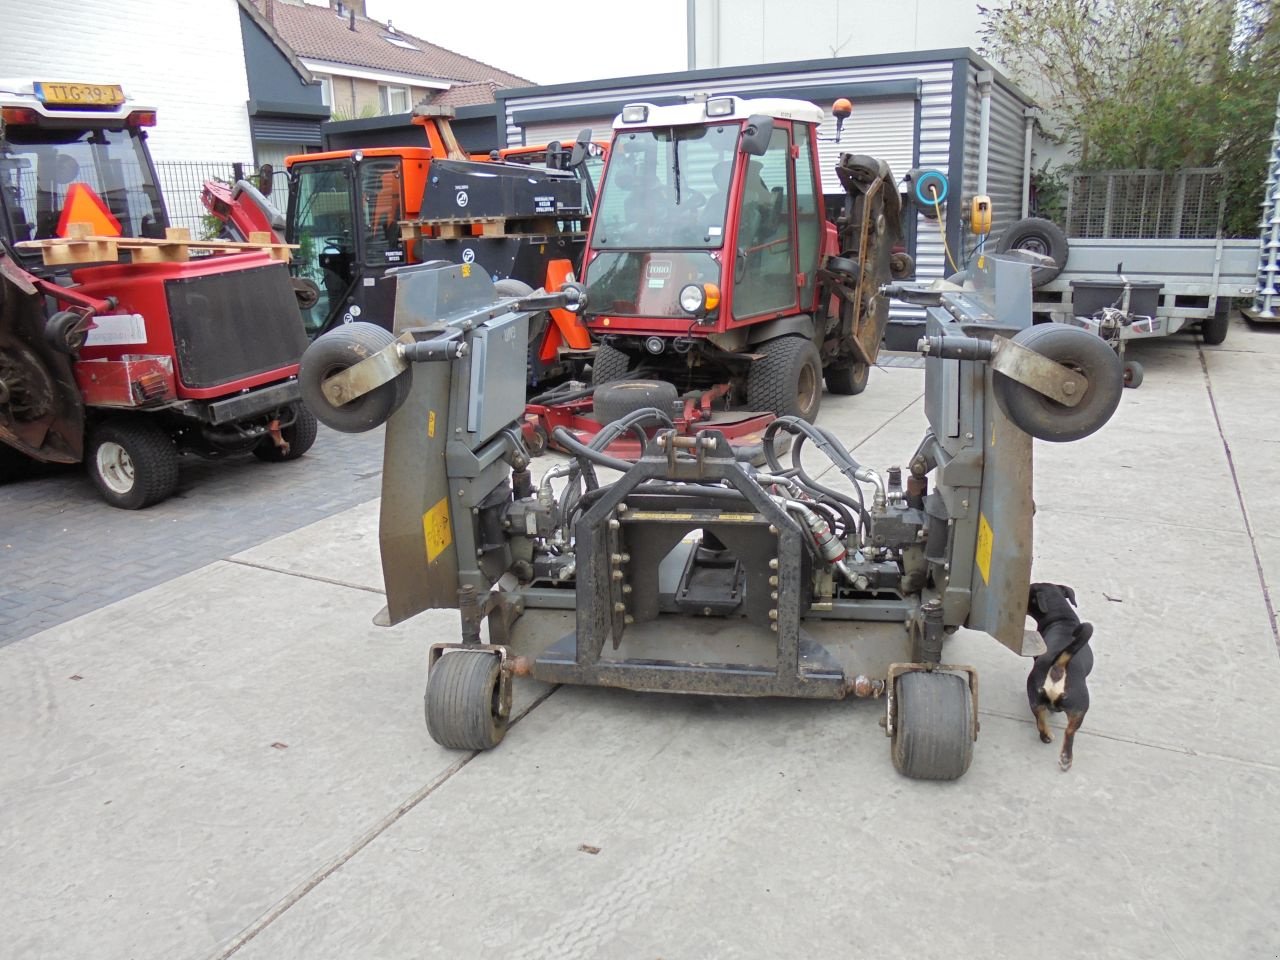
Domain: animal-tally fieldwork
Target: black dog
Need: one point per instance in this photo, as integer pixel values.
(1057, 681)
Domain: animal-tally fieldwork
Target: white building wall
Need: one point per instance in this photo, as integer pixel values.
(184, 58)
(736, 32)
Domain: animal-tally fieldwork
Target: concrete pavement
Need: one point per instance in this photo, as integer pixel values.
(233, 763)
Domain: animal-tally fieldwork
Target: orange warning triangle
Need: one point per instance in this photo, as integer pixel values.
(83, 205)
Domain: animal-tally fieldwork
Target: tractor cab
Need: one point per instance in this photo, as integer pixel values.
(707, 262)
(73, 153)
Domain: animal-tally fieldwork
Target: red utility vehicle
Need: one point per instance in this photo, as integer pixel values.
(125, 365)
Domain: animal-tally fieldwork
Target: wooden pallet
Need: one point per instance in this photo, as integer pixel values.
(463, 228)
(82, 246)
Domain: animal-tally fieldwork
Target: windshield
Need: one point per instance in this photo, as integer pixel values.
(321, 222)
(38, 166)
(667, 188)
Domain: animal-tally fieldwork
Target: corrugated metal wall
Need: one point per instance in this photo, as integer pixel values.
(1005, 184)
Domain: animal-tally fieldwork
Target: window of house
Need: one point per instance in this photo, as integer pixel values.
(394, 99)
(398, 42)
(326, 91)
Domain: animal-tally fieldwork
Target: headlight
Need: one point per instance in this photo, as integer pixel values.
(692, 299)
(635, 113)
(719, 107)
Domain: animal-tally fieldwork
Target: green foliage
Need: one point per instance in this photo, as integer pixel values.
(1049, 194)
(1152, 84)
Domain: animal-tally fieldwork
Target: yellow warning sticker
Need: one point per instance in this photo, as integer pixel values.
(738, 517)
(466, 269)
(431, 424)
(986, 540)
(435, 524)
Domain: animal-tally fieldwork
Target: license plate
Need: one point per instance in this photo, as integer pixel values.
(80, 94)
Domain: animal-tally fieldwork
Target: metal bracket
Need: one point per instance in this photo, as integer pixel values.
(367, 375)
(1038, 372)
(898, 669)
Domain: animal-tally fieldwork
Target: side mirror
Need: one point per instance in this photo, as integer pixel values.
(755, 135)
(553, 155)
(579, 153)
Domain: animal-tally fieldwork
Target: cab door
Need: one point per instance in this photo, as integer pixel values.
(764, 276)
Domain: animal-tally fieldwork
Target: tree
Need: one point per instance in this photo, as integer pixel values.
(1160, 84)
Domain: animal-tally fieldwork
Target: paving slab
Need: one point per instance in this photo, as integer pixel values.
(175, 764)
(621, 825)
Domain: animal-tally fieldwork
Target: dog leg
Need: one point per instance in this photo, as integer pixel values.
(1042, 723)
(1068, 739)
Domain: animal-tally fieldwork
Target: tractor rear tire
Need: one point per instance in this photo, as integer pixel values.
(344, 347)
(132, 461)
(787, 380)
(847, 381)
(300, 435)
(1046, 419)
(462, 701)
(609, 364)
(613, 401)
(933, 729)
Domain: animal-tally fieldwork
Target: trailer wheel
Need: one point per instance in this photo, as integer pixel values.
(933, 729)
(1037, 235)
(132, 462)
(847, 381)
(463, 701)
(1214, 330)
(613, 401)
(340, 348)
(1046, 419)
(609, 363)
(787, 380)
(1132, 374)
(299, 435)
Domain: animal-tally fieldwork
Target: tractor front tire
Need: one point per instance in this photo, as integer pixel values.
(787, 380)
(848, 381)
(299, 435)
(609, 364)
(132, 462)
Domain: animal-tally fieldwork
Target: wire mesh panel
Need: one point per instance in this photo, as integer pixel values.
(181, 182)
(1147, 204)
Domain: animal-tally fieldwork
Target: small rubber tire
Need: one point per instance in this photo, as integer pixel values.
(1132, 374)
(1213, 331)
(933, 729)
(902, 266)
(609, 364)
(787, 380)
(613, 401)
(1074, 347)
(300, 435)
(847, 381)
(58, 333)
(844, 266)
(540, 442)
(132, 461)
(462, 701)
(1038, 236)
(340, 348)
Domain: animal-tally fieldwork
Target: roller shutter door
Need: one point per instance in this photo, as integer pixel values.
(566, 131)
(885, 129)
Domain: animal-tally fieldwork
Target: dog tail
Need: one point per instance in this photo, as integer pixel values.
(1079, 637)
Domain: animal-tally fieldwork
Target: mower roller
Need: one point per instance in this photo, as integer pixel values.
(691, 571)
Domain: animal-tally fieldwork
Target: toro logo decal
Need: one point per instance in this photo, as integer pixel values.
(658, 272)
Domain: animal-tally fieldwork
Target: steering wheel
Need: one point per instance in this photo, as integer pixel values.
(334, 244)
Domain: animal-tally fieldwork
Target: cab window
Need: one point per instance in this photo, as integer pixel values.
(764, 265)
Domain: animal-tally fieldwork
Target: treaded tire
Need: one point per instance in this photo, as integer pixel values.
(847, 381)
(1214, 330)
(1046, 419)
(787, 380)
(609, 364)
(132, 461)
(1039, 236)
(462, 701)
(613, 401)
(340, 348)
(933, 727)
(300, 435)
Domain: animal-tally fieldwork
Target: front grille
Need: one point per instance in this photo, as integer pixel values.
(229, 326)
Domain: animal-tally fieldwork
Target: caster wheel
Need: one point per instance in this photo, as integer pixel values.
(1132, 374)
(538, 442)
(465, 706)
(334, 352)
(934, 726)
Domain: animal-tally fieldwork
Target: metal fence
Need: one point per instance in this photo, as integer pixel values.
(1147, 204)
(182, 180)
